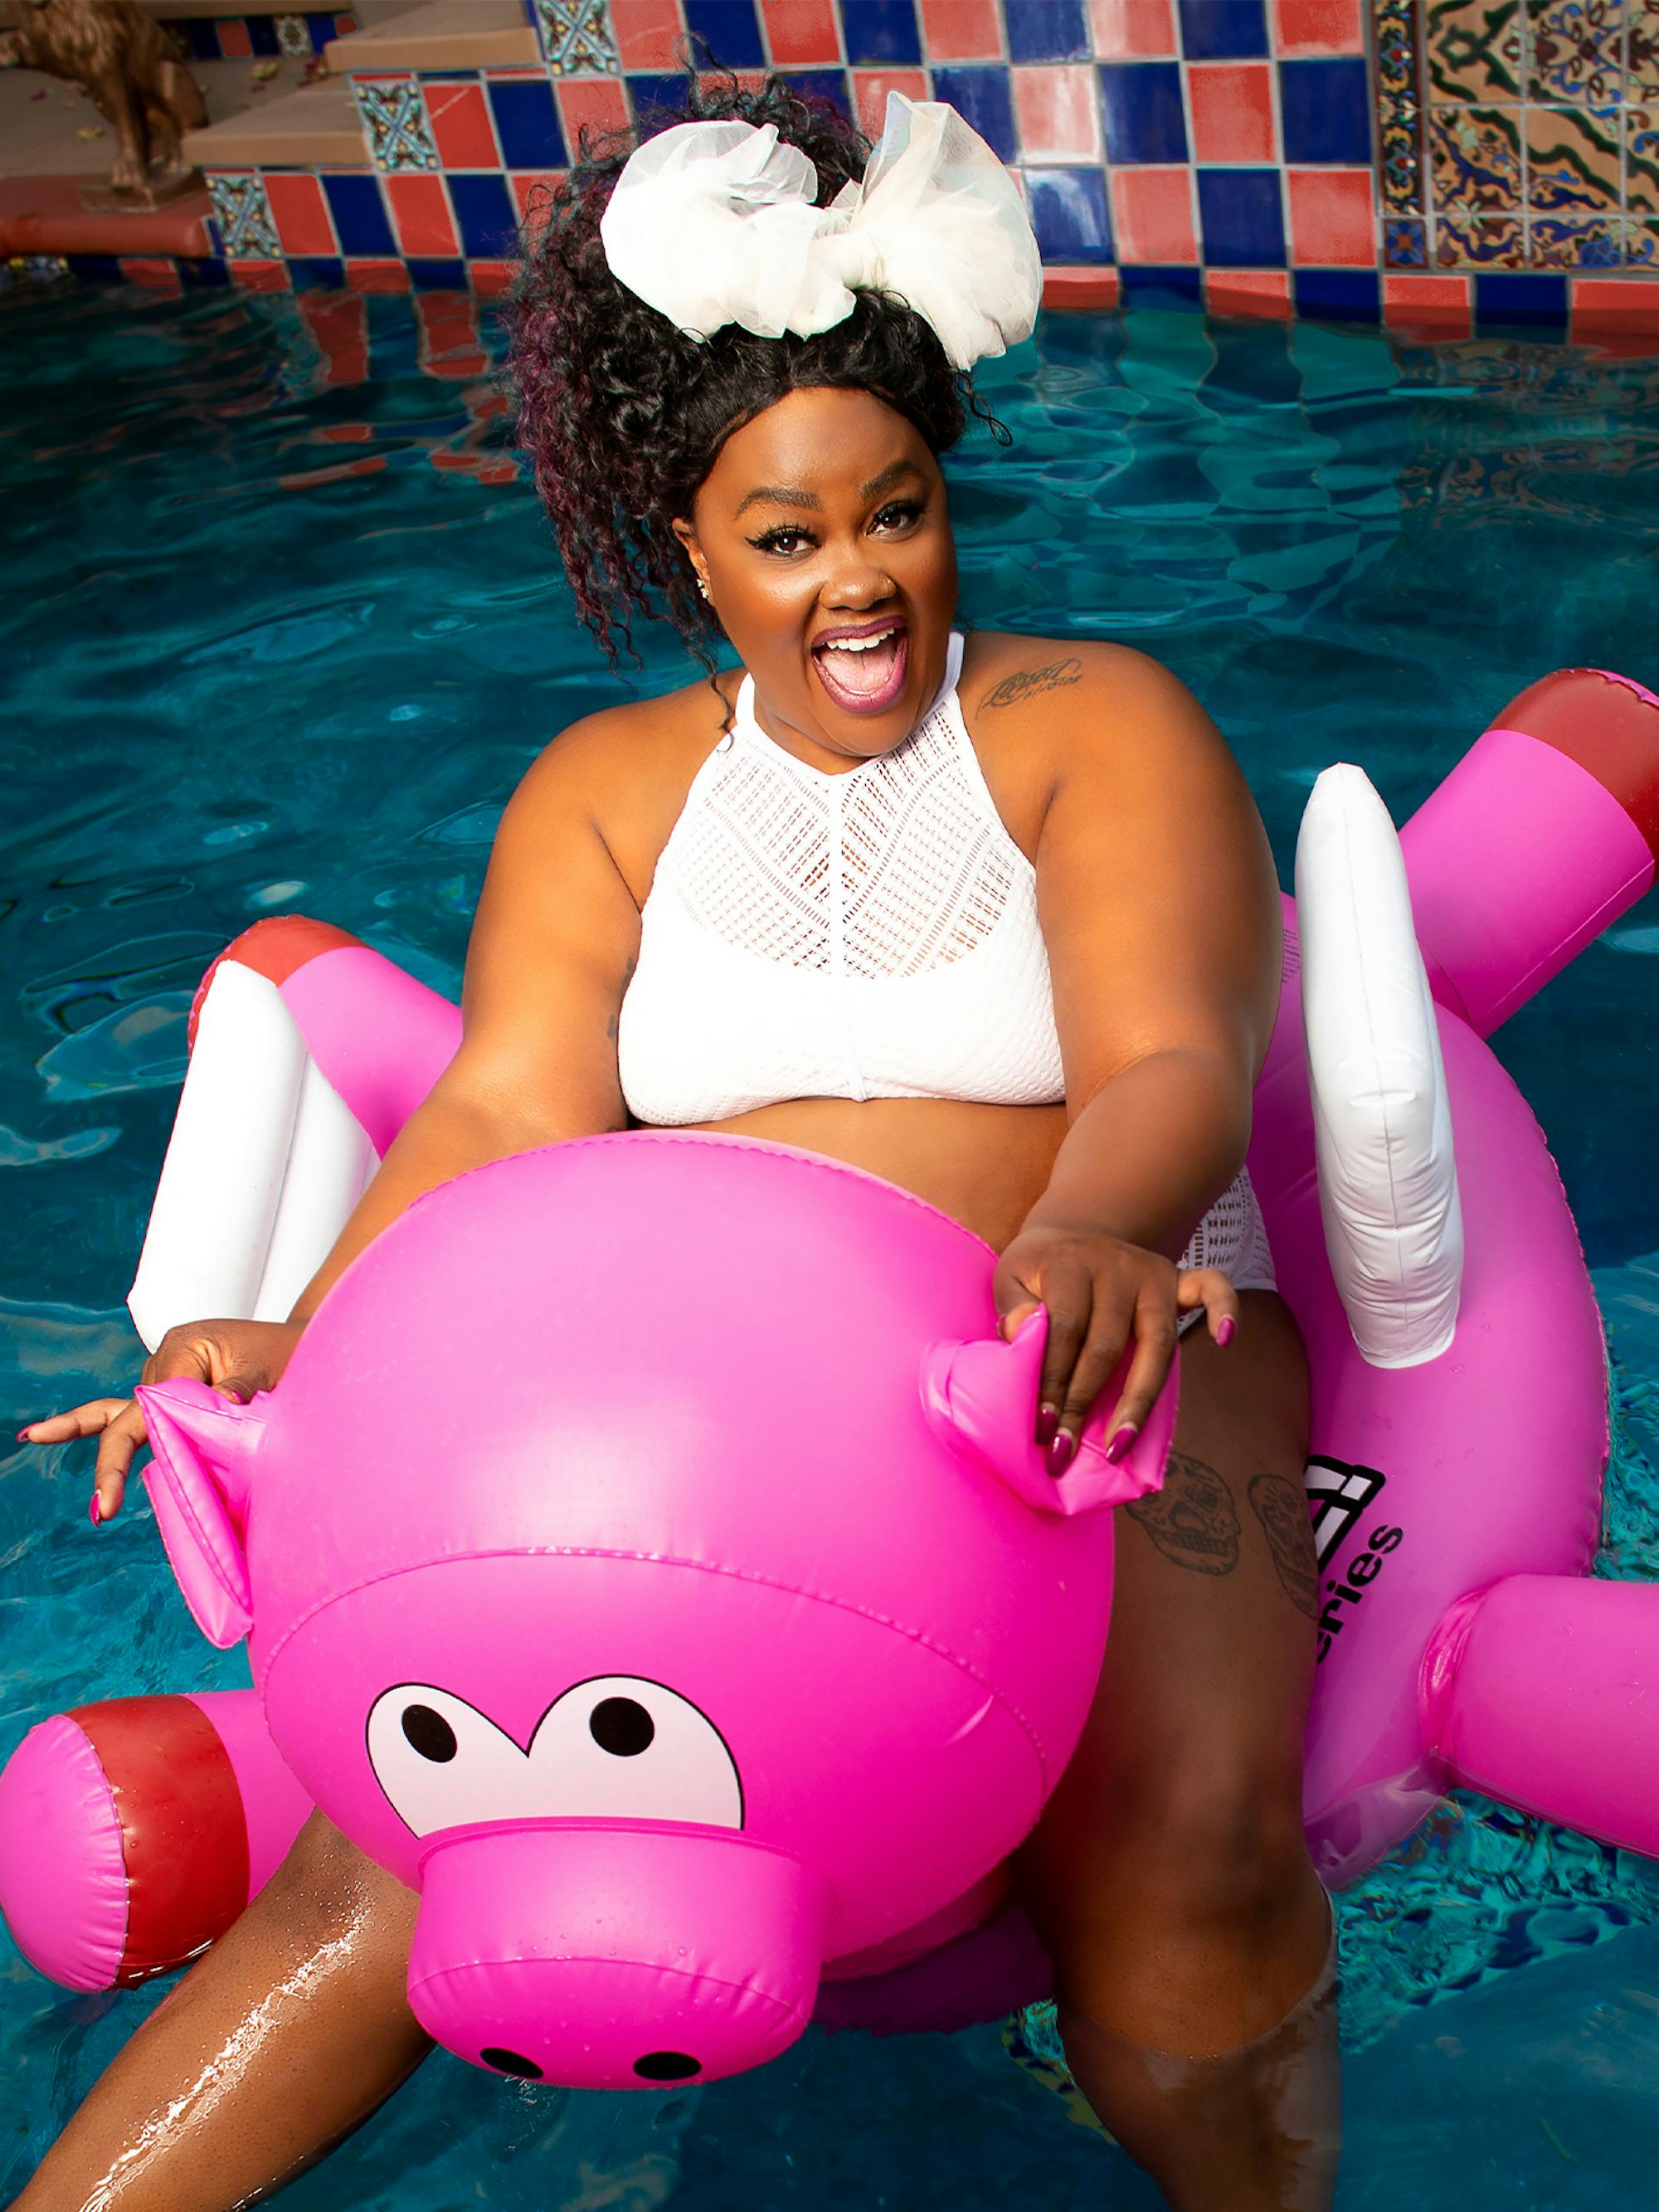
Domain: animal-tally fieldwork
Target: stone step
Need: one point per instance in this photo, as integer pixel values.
(316, 127)
(40, 136)
(443, 35)
(367, 12)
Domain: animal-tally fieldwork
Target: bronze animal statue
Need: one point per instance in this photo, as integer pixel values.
(135, 77)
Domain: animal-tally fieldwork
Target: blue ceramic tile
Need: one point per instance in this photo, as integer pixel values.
(1326, 111)
(1241, 218)
(439, 276)
(262, 36)
(1141, 105)
(726, 32)
(984, 96)
(94, 268)
(821, 84)
(316, 273)
(204, 39)
(659, 96)
(484, 214)
(1147, 287)
(322, 29)
(1069, 214)
(1222, 30)
(527, 123)
(879, 31)
(206, 274)
(1339, 295)
(361, 222)
(1047, 30)
(1502, 298)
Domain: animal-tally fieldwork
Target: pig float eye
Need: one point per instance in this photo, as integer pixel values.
(615, 1748)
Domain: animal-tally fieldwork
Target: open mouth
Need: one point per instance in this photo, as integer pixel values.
(863, 673)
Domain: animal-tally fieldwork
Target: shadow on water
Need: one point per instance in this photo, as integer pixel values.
(282, 627)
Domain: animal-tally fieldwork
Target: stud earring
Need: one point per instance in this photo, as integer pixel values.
(702, 587)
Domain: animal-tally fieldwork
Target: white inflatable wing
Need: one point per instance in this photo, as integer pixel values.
(264, 1168)
(1387, 1177)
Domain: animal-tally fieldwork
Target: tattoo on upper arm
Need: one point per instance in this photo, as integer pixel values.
(1192, 1520)
(1026, 683)
(1281, 1506)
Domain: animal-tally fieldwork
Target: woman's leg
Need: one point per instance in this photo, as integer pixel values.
(1170, 1877)
(285, 2038)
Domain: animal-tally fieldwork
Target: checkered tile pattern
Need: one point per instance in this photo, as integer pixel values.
(1215, 152)
(231, 36)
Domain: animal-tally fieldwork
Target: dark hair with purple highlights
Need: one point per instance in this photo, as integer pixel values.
(623, 415)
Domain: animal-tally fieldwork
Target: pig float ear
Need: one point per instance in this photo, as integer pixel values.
(979, 1399)
(205, 1446)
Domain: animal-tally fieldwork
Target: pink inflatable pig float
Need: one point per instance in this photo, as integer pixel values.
(645, 1557)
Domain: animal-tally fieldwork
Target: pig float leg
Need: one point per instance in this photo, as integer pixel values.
(1543, 1692)
(289, 2034)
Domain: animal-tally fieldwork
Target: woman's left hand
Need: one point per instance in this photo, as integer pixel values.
(1100, 1293)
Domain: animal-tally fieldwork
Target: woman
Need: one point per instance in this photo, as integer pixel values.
(994, 919)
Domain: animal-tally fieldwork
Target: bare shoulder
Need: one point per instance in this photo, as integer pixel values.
(1055, 682)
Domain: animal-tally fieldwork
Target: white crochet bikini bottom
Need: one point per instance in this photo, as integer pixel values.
(1233, 1238)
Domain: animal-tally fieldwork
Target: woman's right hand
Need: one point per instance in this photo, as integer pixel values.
(238, 1358)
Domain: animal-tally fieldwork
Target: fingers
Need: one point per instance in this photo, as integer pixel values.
(116, 1447)
(1155, 1348)
(89, 1420)
(1209, 1289)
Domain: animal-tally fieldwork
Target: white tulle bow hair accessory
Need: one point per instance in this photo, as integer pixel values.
(713, 224)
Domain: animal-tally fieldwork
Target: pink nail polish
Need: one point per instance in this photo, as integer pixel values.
(1122, 1442)
(1060, 1453)
(93, 1514)
(23, 1434)
(1224, 1329)
(1047, 1421)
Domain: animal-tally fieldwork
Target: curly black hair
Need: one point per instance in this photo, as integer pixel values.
(622, 416)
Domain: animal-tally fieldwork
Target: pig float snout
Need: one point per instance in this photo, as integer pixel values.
(614, 1955)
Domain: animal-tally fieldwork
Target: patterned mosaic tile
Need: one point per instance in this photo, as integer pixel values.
(293, 34)
(1475, 155)
(1572, 158)
(1641, 51)
(395, 120)
(1642, 161)
(1405, 242)
(1488, 241)
(1641, 245)
(576, 38)
(1400, 116)
(1576, 51)
(243, 214)
(1473, 49)
(1556, 243)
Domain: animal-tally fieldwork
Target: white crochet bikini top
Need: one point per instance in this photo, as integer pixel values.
(871, 935)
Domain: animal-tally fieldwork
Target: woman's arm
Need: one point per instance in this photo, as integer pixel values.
(1159, 909)
(552, 947)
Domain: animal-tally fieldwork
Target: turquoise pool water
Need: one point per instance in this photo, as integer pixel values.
(272, 640)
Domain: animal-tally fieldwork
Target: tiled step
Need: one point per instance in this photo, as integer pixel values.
(444, 34)
(316, 127)
(40, 136)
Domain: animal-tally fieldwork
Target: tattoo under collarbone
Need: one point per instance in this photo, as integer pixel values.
(1192, 1520)
(1027, 683)
(1281, 1506)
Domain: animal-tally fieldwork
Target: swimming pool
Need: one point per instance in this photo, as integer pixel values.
(281, 629)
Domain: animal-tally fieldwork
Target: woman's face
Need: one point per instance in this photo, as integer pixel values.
(822, 536)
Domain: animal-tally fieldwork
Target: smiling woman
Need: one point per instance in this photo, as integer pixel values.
(993, 917)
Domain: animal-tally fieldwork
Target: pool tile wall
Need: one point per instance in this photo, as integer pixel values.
(230, 37)
(1412, 159)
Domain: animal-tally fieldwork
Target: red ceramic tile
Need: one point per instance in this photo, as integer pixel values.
(1631, 302)
(1333, 219)
(154, 276)
(871, 88)
(449, 341)
(1079, 288)
(491, 278)
(338, 322)
(1133, 30)
(367, 275)
(300, 213)
(1232, 111)
(370, 465)
(1152, 215)
(961, 31)
(1058, 112)
(421, 217)
(459, 115)
(648, 32)
(713, 80)
(258, 276)
(1436, 306)
(349, 433)
(597, 104)
(1318, 26)
(802, 33)
(533, 189)
(1262, 292)
(234, 43)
